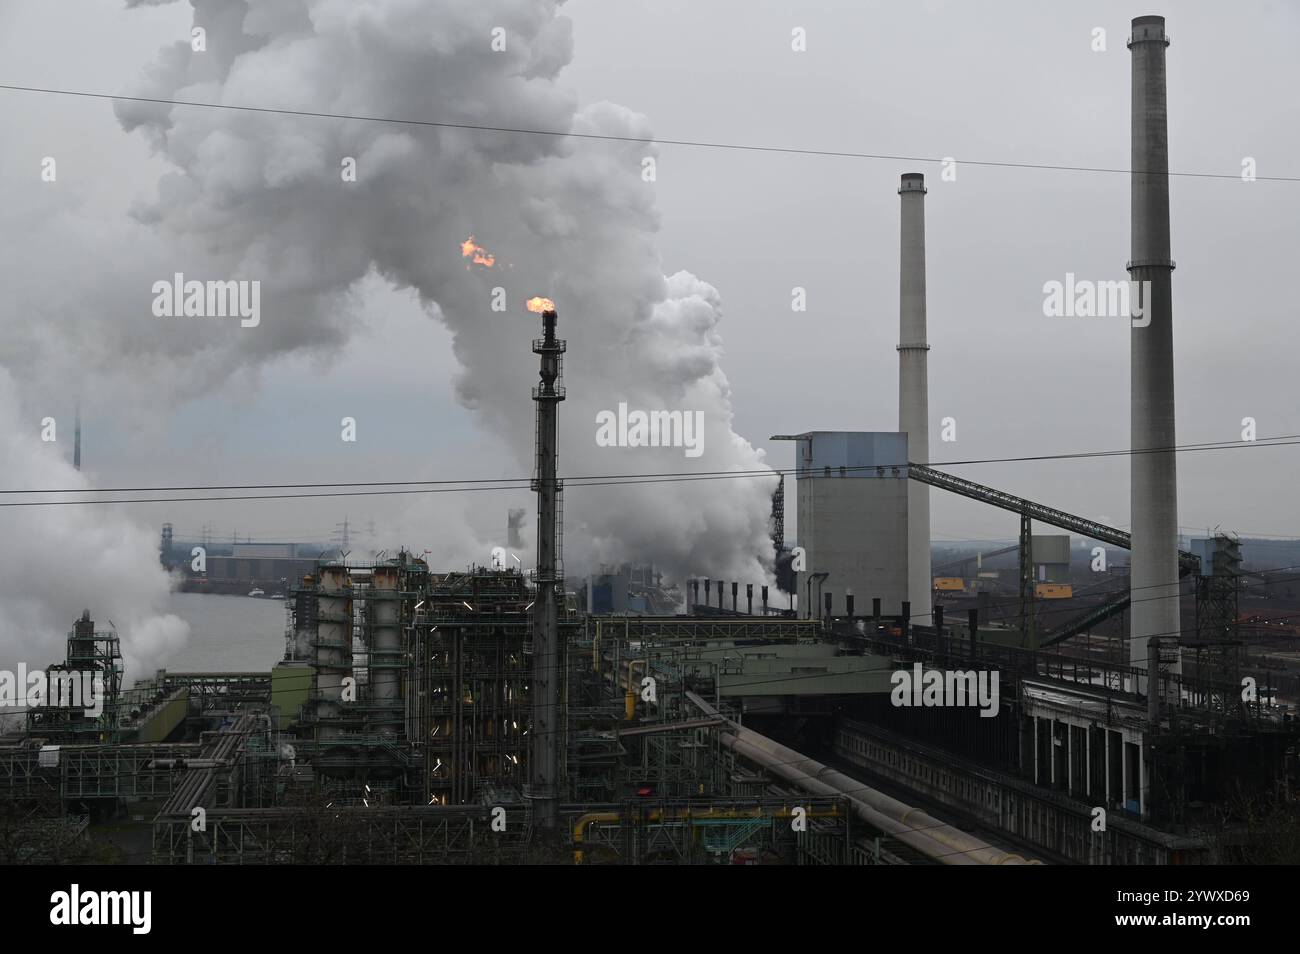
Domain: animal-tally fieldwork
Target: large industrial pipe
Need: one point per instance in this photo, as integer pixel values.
(913, 384)
(1153, 492)
(909, 825)
(749, 597)
(913, 838)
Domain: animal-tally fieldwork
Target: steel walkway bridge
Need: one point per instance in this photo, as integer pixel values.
(1029, 510)
(704, 628)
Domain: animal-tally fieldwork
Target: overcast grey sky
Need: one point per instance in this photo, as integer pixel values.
(989, 81)
(1008, 81)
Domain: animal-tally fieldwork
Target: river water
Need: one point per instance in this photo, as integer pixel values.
(228, 633)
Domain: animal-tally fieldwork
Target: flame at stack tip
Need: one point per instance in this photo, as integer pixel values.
(540, 305)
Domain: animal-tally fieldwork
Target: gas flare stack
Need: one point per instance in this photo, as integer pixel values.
(548, 654)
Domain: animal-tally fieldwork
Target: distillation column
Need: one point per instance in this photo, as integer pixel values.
(332, 658)
(386, 649)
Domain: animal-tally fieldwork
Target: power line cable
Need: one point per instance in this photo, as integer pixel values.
(603, 137)
(1280, 441)
(618, 479)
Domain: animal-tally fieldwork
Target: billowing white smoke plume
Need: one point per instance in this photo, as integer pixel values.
(263, 196)
(57, 561)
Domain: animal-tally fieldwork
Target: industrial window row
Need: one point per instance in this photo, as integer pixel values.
(1042, 823)
(971, 792)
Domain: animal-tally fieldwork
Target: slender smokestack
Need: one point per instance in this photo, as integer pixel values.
(913, 386)
(544, 767)
(1154, 481)
(76, 440)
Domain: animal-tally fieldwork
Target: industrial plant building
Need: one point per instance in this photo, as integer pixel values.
(424, 714)
(852, 491)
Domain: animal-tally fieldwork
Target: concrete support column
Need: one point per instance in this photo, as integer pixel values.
(1105, 734)
(1069, 758)
(1087, 763)
(1123, 767)
(1144, 782)
(1035, 775)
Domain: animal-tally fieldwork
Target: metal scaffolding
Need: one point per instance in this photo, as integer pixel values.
(345, 834)
(774, 628)
(83, 692)
(721, 831)
(474, 683)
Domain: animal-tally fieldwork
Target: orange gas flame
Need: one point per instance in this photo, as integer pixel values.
(540, 305)
(479, 253)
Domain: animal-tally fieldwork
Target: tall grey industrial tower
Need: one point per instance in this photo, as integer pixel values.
(544, 754)
(1153, 497)
(913, 389)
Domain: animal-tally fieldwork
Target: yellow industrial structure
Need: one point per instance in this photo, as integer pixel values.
(1054, 591)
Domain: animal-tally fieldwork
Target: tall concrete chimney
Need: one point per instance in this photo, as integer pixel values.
(913, 385)
(1153, 496)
